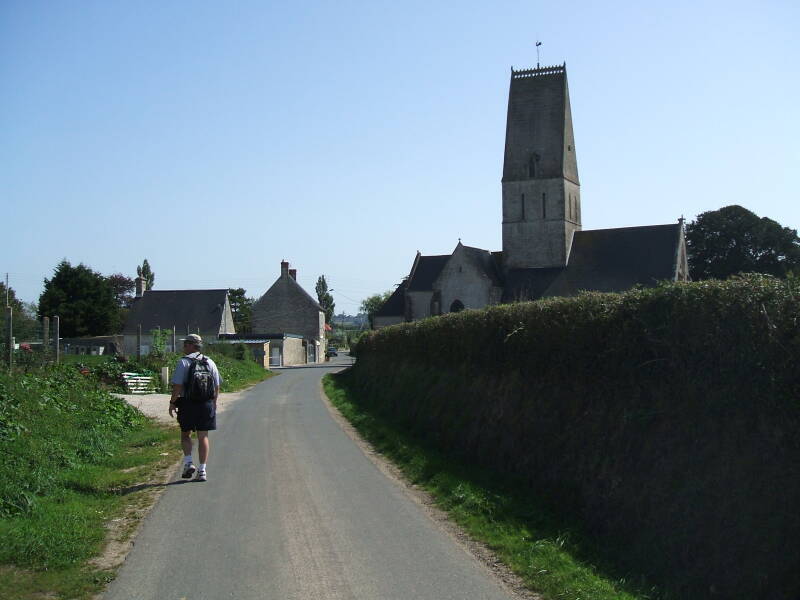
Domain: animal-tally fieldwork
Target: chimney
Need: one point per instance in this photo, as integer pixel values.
(284, 268)
(293, 274)
(139, 287)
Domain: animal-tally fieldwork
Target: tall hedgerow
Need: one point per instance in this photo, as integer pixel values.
(666, 418)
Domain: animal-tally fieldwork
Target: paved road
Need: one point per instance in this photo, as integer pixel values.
(293, 510)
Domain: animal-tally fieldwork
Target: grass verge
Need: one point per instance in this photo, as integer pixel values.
(76, 476)
(547, 553)
(71, 542)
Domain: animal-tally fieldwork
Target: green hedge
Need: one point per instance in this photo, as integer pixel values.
(666, 418)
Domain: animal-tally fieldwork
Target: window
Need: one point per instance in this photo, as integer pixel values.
(532, 166)
(522, 203)
(544, 206)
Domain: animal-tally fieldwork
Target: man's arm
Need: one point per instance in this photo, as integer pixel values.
(177, 392)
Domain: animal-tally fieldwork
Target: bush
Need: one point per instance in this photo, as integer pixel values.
(666, 418)
(50, 420)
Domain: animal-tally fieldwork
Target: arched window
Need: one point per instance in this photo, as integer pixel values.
(456, 306)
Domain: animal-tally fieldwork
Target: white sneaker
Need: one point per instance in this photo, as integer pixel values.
(188, 470)
(201, 476)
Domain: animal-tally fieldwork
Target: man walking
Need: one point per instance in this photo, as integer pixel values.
(195, 388)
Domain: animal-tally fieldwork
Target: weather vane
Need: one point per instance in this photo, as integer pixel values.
(537, 53)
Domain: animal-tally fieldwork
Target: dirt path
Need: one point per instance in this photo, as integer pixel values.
(157, 405)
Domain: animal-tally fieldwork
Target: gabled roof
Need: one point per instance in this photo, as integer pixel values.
(395, 304)
(603, 260)
(425, 272)
(287, 289)
(184, 309)
(485, 262)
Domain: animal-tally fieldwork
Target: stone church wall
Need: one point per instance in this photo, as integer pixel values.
(460, 280)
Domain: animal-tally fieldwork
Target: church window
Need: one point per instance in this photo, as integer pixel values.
(544, 206)
(456, 306)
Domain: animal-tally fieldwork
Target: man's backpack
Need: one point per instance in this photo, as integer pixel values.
(200, 385)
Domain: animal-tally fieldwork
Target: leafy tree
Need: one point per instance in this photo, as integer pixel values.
(325, 299)
(372, 304)
(82, 298)
(733, 240)
(147, 274)
(242, 309)
(23, 319)
(123, 288)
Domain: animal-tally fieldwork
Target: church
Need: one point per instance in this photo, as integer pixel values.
(545, 250)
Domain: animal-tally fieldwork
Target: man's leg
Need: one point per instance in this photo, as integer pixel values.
(186, 441)
(202, 446)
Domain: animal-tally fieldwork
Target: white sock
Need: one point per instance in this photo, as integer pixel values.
(202, 467)
(187, 459)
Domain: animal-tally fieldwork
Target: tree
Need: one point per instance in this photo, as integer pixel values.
(324, 298)
(123, 288)
(147, 274)
(82, 298)
(23, 320)
(372, 304)
(734, 240)
(242, 309)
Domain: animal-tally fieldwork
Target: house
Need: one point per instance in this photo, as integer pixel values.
(545, 251)
(179, 313)
(287, 309)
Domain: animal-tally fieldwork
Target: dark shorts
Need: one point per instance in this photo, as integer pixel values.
(197, 417)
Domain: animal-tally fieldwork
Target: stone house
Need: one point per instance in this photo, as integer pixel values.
(545, 250)
(287, 309)
(206, 312)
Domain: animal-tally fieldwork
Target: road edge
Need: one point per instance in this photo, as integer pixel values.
(495, 568)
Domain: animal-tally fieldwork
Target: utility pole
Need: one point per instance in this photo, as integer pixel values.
(9, 337)
(538, 43)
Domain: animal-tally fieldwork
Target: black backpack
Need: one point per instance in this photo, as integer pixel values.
(200, 385)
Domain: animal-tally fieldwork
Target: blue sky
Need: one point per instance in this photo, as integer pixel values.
(216, 139)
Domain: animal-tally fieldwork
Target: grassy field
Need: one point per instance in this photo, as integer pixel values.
(76, 477)
(550, 555)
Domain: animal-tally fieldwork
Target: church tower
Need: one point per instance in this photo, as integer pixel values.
(541, 191)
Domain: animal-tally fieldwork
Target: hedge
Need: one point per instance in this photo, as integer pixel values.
(665, 418)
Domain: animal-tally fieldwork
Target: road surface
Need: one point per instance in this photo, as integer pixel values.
(293, 510)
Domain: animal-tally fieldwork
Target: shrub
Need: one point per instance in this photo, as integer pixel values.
(666, 418)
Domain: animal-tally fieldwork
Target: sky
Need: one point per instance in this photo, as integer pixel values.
(217, 139)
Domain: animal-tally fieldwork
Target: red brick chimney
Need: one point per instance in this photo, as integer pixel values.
(293, 274)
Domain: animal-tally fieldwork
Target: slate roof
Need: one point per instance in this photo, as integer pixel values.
(426, 271)
(603, 260)
(394, 305)
(195, 309)
(286, 288)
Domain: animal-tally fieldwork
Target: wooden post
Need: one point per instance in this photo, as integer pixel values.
(10, 336)
(164, 377)
(57, 337)
(139, 341)
(46, 335)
